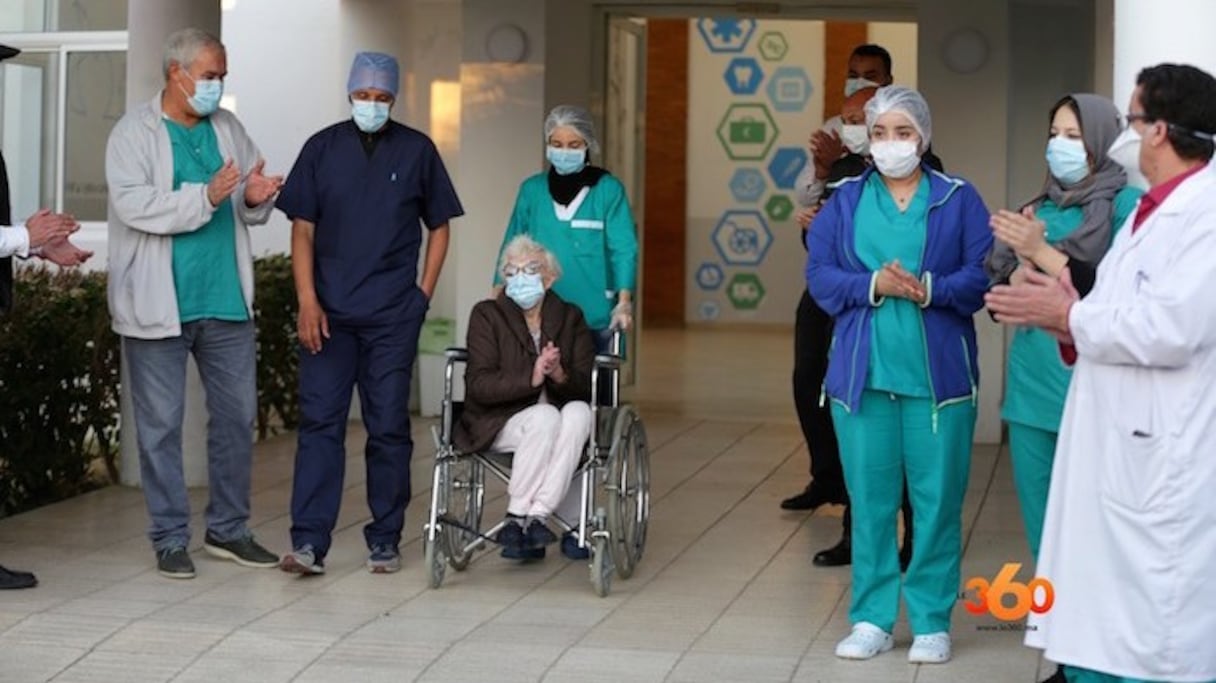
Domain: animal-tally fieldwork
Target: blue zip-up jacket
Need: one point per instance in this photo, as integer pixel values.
(952, 268)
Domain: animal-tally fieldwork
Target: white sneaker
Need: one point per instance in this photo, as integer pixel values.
(931, 648)
(864, 642)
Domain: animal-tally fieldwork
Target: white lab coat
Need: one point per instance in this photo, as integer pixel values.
(1129, 541)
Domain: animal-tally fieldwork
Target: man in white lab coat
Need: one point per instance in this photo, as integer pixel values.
(1129, 542)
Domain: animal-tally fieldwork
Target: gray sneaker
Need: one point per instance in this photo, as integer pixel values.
(175, 563)
(244, 551)
(384, 559)
(303, 561)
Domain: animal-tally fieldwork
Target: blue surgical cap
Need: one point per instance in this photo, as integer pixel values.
(374, 70)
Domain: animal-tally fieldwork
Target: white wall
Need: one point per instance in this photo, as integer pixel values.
(970, 120)
(502, 113)
(284, 87)
(900, 39)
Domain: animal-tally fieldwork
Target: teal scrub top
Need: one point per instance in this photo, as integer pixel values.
(204, 261)
(593, 239)
(1036, 379)
(899, 361)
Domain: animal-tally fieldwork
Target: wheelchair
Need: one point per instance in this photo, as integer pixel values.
(614, 474)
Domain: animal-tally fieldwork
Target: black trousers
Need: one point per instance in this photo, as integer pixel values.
(812, 339)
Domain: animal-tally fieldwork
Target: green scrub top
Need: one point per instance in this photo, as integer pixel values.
(1036, 379)
(898, 359)
(204, 261)
(593, 239)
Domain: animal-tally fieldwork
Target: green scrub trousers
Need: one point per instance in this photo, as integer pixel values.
(1076, 675)
(889, 438)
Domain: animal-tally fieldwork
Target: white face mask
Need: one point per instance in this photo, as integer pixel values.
(895, 158)
(852, 85)
(1125, 151)
(856, 138)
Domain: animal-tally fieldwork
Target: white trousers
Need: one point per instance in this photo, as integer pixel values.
(548, 444)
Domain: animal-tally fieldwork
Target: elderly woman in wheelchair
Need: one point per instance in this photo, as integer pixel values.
(527, 388)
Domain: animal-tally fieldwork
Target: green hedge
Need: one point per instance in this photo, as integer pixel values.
(59, 379)
(59, 366)
(274, 304)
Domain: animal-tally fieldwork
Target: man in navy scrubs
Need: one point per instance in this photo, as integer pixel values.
(358, 197)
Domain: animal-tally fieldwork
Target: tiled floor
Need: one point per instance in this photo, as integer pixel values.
(725, 592)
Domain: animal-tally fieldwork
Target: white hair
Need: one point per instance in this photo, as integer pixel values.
(521, 247)
(183, 46)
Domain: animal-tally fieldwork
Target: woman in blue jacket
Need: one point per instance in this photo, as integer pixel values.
(897, 258)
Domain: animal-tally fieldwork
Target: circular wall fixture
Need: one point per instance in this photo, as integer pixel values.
(507, 43)
(965, 51)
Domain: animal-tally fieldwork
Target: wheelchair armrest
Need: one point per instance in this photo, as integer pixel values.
(607, 360)
(456, 353)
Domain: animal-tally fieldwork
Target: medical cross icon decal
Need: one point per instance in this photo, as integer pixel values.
(726, 35)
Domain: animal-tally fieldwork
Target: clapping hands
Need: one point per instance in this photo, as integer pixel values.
(893, 280)
(1022, 232)
(548, 364)
(259, 188)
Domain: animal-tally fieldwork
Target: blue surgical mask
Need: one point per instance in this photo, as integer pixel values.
(206, 97)
(526, 290)
(1067, 160)
(852, 85)
(565, 160)
(369, 116)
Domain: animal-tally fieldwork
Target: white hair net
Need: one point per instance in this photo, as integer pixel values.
(577, 119)
(906, 101)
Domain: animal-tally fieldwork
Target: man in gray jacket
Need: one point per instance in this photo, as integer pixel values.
(185, 181)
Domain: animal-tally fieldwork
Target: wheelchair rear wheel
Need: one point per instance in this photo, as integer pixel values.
(462, 497)
(627, 490)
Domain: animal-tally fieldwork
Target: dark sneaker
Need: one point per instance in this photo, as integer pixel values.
(11, 579)
(511, 538)
(384, 559)
(570, 547)
(538, 535)
(175, 563)
(304, 561)
(812, 497)
(244, 551)
(837, 556)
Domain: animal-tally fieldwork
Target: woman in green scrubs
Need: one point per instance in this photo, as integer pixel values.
(580, 213)
(1085, 199)
(896, 257)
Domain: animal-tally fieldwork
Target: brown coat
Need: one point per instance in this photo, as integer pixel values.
(498, 377)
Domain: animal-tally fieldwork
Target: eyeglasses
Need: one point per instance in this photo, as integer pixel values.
(1130, 118)
(529, 268)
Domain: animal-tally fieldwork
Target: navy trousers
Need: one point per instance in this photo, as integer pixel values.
(379, 360)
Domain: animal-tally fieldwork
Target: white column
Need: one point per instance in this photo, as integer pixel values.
(149, 23)
(1148, 33)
